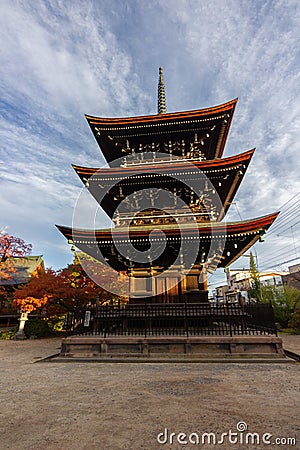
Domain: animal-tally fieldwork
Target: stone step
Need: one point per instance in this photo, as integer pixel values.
(174, 358)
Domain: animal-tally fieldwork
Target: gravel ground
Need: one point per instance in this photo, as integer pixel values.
(74, 406)
(291, 342)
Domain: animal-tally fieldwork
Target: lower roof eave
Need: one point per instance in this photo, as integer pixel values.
(260, 224)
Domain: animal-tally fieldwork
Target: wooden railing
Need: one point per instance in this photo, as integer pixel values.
(181, 319)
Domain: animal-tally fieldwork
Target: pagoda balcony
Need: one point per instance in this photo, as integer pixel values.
(154, 218)
(144, 159)
(165, 152)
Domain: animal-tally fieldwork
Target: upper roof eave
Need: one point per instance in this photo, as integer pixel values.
(157, 118)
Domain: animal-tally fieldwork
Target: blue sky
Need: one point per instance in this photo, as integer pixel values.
(63, 59)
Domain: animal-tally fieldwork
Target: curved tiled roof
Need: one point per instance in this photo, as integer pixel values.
(112, 133)
(23, 268)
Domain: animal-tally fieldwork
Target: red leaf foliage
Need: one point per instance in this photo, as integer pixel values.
(11, 246)
(69, 289)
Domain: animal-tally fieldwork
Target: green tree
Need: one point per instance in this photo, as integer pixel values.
(285, 300)
(255, 288)
(295, 321)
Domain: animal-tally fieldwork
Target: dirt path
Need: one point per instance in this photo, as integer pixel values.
(74, 406)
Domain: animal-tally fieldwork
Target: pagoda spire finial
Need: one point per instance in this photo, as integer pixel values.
(161, 102)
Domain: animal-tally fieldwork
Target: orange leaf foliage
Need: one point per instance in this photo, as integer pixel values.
(29, 304)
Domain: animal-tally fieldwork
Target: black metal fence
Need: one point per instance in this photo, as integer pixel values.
(180, 319)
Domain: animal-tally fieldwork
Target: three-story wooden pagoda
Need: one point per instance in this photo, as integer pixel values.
(167, 188)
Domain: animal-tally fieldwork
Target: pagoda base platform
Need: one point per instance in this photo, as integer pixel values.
(173, 349)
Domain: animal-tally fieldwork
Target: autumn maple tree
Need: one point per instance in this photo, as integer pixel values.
(56, 292)
(11, 247)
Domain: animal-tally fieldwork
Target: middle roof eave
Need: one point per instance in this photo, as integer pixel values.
(213, 164)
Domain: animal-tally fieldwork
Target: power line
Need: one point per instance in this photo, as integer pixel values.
(283, 224)
(278, 254)
(282, 206)
(284, 209)
(284, 262)
(283, 216)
